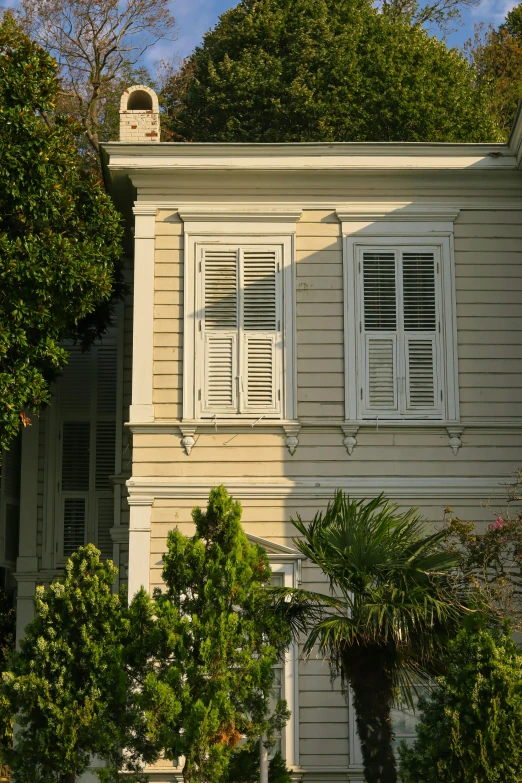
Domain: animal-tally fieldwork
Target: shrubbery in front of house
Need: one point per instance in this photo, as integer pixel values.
(470, 730)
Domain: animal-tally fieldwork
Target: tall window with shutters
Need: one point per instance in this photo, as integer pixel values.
(400, 368)
(84, 507)
(239, 336)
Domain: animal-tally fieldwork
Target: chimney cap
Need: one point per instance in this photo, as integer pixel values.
(139, 98)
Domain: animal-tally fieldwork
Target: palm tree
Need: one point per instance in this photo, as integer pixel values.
(395, 599)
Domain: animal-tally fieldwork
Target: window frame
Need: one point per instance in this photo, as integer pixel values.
(353, 248)
(202, 231)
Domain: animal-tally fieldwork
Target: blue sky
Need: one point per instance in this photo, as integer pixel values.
(194, 17)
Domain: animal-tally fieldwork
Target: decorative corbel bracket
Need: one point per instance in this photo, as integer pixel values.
(350, 440)
(292, 441)
(188, 440)
(455, 440)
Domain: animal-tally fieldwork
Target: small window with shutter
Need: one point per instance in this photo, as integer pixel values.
(86, 450)
(238, 359)
(400, 333)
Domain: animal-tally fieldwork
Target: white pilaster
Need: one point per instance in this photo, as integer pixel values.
(142, 408)
(139, 544)
(27, 563)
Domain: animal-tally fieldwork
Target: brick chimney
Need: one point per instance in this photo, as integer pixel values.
(139, 115)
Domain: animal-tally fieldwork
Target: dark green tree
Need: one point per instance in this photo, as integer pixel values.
(324, 70)
(470, 728)
(218, 638)
(60, 235)
(394, 602)
(244, 767)
(496, 54)
(7, 627)
(73, 682)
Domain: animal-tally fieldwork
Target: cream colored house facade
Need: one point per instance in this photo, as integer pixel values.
(301, 318)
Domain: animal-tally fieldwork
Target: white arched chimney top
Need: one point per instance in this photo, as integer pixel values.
(139, 114)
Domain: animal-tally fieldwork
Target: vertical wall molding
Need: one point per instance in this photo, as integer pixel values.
(142, 408)
(27, 563)
(139, 543)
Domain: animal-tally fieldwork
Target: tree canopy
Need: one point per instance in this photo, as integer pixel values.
(99, 46)
(324, 70)
(497, 56)
(217, 639)
(72, 683)
(470, 727)
(396, 599)
(60, 235)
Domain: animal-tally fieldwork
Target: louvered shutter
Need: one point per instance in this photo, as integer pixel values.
(87, 410)
(75, 403)
(421, 335)
(378, 327)
(106, 385)
(220, 330)
(259, 333)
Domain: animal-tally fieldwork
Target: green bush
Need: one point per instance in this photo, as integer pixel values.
(470, 729)
(244, 767)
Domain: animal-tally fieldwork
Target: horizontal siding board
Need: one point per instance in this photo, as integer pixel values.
(305, 281)
(295, 470)
(313, 455)
(327, 367)
(318, 243)
(478, 297)
(495, 217)
(503, 270)
(499, 324)
(319, 270)
(319, 336)
(493, 245)
(169, 243)
(319, 309)
(318, 230)
(313, 351)
(321, 295)
(317, 730)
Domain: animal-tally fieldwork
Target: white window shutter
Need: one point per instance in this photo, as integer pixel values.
(421, 333)
(379, 328)
(260, 330)
(220, 268)
(381, 376)
(220, 373)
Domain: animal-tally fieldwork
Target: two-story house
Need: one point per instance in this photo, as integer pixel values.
(301, 318)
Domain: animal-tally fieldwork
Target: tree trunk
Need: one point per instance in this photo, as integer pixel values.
(369, 672)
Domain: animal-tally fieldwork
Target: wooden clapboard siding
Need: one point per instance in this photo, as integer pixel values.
(488, 269)
(320, 315)
(168, 316)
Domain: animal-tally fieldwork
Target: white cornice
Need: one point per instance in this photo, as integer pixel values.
(140, 158)
(144, 208)
(399, 211)
(405, 488)
(235, 214)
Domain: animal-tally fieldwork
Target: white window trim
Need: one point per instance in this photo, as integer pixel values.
(241, 227)
(398, 231)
